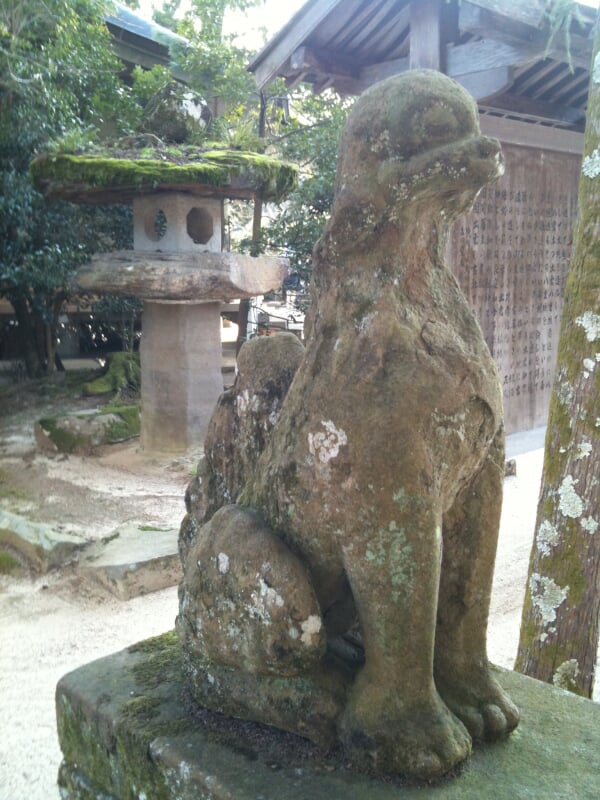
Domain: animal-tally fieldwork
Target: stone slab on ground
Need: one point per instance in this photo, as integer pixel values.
(125, 732)
(38, 546)
(134, 560)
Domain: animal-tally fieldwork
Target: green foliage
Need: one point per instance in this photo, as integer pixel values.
(74, 141)
(59, 85)
(215, 63)
(310, 138)
(147, 82)
(60, 92)
(57, 66)
(166, 16)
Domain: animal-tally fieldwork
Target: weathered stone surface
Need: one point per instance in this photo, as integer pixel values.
(37, 546)
(130, 561)
(239, 428)
(85, 431)
(125, 732)
(181, 360)
(181, 277)
(133, 561)
(389, 441)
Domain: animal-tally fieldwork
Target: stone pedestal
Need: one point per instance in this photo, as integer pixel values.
(181, 373)
(181, 351)
(125, 731)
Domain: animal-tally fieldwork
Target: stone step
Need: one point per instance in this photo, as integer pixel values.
(135, 559)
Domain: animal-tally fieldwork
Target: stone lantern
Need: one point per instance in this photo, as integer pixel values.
(177, 266)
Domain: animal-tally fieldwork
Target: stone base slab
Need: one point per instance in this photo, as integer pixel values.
(125, 732)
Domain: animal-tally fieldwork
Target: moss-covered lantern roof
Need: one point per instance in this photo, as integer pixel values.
(121, 173)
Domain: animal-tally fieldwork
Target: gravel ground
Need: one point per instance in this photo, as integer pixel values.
(53, 625)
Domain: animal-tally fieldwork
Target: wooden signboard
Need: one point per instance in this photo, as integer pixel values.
(511, 256)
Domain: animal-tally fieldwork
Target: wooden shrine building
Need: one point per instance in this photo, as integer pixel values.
(511, 254)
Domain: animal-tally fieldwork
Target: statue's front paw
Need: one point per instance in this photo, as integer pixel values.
(423, 739)
(479, 702)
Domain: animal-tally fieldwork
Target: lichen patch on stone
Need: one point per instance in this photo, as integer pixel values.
(583, 451)
(310, 627)
(246, 403)
(223, 563)
(269, 595)
(564, 393)
(589, 365)
(324, 446)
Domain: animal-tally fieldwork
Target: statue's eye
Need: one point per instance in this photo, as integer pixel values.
(437, 124)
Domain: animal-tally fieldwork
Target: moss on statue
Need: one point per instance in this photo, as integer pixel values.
(89, 177)
(160, 653)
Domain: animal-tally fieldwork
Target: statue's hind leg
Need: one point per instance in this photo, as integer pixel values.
(253, 641)
(462, 671)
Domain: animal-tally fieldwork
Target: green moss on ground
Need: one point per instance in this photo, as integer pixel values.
(65, 441)
(8, 564)
(122, 375)
(125, 424)
(127, 427)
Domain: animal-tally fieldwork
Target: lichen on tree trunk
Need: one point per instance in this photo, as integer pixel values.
(559, 628)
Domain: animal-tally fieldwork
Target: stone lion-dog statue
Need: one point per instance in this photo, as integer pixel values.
(340, 539)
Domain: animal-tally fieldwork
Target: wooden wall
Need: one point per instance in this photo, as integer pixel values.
(511, 255)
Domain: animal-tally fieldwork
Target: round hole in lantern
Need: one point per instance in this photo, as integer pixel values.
(200, 226)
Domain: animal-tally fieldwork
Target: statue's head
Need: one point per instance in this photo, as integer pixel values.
(416, 137)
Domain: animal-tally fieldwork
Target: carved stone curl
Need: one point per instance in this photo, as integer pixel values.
(344, 595)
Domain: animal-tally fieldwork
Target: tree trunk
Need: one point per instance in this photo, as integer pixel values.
(28, 339)
(559, 628)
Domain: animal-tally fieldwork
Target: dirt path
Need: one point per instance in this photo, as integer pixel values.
(53, 624)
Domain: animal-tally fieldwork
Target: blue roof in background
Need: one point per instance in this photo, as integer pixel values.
(127, 20)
